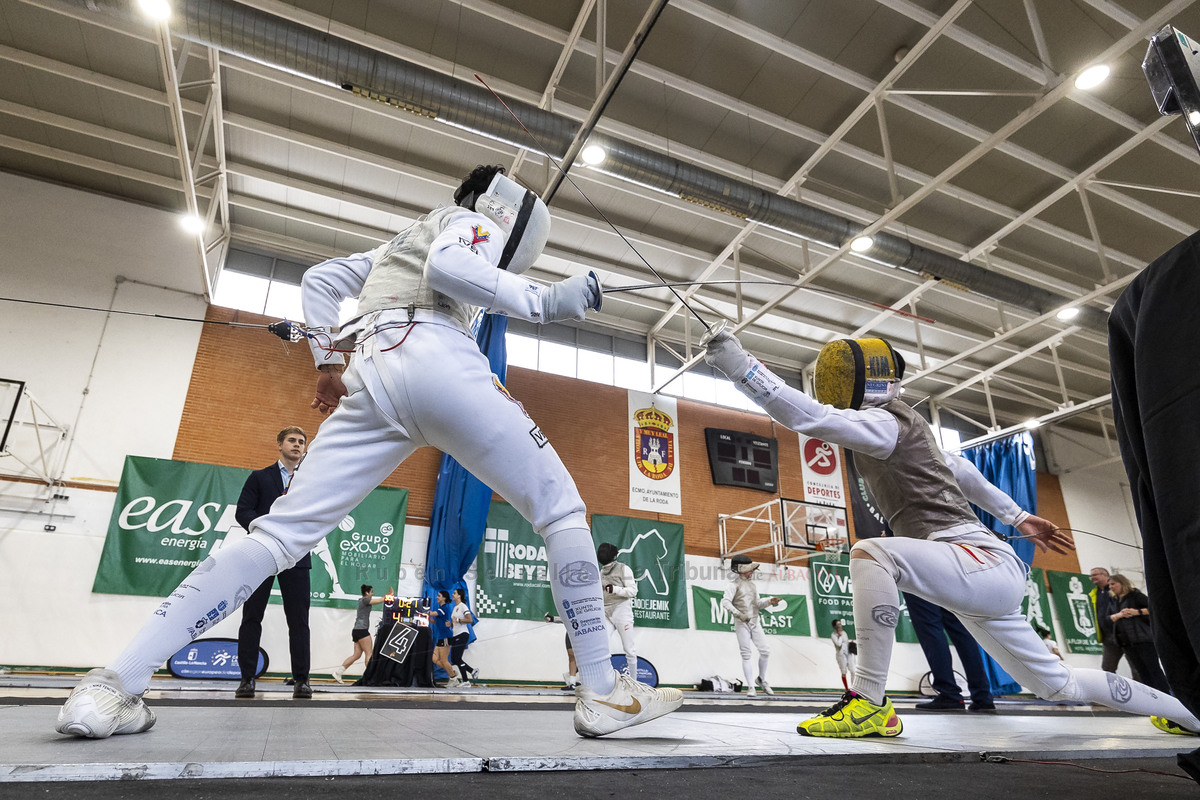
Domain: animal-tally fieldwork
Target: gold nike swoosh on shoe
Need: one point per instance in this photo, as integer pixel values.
(633, 708)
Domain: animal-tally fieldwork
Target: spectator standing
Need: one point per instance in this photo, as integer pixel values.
(262, 488)
(933, 624)
(439, 622)
(360, 634)
(460, 618)
(1131, 627)
(1104, 607)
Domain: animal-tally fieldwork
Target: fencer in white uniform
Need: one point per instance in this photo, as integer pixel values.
(416, 378)
(620, 587)
(742, 601)
(940, 551)
(847, 661)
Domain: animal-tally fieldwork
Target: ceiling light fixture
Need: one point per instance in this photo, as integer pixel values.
(1032, 424)
(593, 154)
(1194, 117)
(861, 244)
(1092, 77)
(191, 223)
(157, 10)
(1068, 313)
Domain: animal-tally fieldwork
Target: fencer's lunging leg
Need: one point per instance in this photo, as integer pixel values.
(876, 615)
(1019, 650)
(575, 584)
(214, 589)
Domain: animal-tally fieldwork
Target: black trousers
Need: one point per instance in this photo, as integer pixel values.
(1153, 344)
(933, 624)
(295, 586)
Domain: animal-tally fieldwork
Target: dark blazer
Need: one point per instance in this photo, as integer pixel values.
(262, 488)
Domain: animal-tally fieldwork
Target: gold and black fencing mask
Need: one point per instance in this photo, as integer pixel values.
(851, 373)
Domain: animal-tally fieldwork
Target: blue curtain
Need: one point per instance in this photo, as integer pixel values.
(1010, 465)
(460, 500)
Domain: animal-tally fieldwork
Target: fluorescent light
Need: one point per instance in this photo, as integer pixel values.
(1070, 312)
(1194, 117)
(1092, 77)
(1032, 424)
(157, 10)
(593, 154)
(191, 223)
(862, 244)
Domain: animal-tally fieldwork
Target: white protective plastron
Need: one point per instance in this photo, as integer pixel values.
(397, 278)
(522, 216)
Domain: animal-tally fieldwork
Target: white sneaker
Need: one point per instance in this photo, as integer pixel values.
(464, 684)
(337, 673)
(629, 703)
(750, 692)
(453, 683)
(766, 687)
(100, 707)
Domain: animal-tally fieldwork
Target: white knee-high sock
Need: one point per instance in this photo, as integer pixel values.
(762, 668)
(876, 614)
(748, 671)
(1115, 691)
(220, 584)
(575, 584)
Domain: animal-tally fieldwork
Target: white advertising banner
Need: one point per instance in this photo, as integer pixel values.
(654, 454)
(821, 468)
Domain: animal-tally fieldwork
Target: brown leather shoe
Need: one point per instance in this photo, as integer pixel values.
(302, 691)
(245, 690)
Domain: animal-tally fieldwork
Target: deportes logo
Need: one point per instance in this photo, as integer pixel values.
(821, 457)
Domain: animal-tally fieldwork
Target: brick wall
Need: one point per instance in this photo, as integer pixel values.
(247, 385)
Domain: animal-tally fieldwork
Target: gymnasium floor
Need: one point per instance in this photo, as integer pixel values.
(466, 739)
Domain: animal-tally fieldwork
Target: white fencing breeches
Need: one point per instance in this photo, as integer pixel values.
(620, 617)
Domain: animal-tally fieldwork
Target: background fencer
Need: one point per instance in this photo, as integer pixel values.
(416, 378)
(741, 600)
(940, 551)
(620, 587)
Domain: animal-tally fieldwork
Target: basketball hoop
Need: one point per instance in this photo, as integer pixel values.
(833, 546)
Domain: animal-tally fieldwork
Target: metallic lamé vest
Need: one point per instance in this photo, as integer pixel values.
(914, 487)
(397, 278)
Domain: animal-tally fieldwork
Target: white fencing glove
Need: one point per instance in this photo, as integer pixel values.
(571, 298)
(724, 352)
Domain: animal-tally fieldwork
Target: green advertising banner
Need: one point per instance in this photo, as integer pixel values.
(789, 618)
(513, 579)
(170, 515)
(1035, 606)
(1074, 609)
(654, 551)
(833, 597)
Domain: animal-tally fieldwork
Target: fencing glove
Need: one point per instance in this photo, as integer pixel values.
(571, 298)
(724, 352)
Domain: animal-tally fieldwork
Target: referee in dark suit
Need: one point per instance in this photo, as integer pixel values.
(262, 488)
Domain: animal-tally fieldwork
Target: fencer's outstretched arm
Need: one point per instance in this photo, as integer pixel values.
(1043, 533)
(462, 265)
(871, 431)
(982, 493)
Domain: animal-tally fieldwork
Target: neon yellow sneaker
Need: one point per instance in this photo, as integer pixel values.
(851, 717)
(1164, 724)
